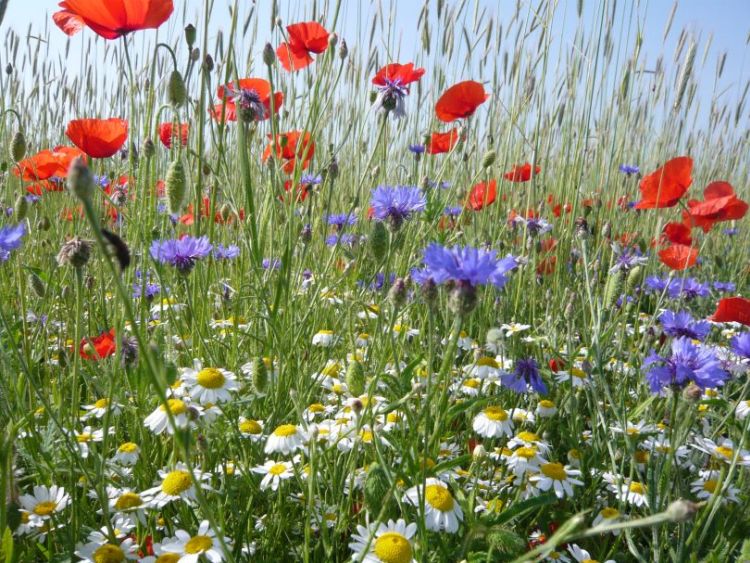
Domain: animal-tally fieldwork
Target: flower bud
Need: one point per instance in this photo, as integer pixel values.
(377, 489)
(176, 90)
(397, 293)
(190, 34)
(80, 180)
(612, 289)
(333, 40)
(269, 55)
(195, 54)
(37, 285)
(149, 148)
(76, 252)
(208, 63)
(175, 185)
(681, 510)
(355, 378)
(43, 224)
(18, 146)
(488, 159)
(463, 299)
(260, 376)
(21, 208)
(378, 241)
(343, 50)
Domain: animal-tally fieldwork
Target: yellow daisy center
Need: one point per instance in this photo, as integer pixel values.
(316, 408)
(128, 448)
(198, 544)
(439, 498)
(393, 417)
(210, 378)
(641, 456)
(83, 437)
(609, 513)
(277, 469)
(710, 485)
(546, 404)
(176, 406)
(168, 558)
(332, 370)
(109, 553)
(392, 547)
(526, 452)
(285, 430)
(528, 437)
(45, 508)
(176, 482)
(472, 383)
(101, 403)
(637, 488)
(325, 332)
(338, 389)
(488, 361)
(554, 471)
(128, 500)
(724, 451)
(496, 413)
(250, 427)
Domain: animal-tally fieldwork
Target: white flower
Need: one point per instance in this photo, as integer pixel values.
(442, 512)
(100, 408)
(250, 428)
(546, 408)
(209, 384)
(127, 454)
(45, 502)
(177, 484)
(285, 439)
(606, 516)
(493, 422)
(743, 409)
(98, 551)
(557, 477)
(129, 504)
(84, 438)
(325, 338)
(725, 451)
(582, 555)
(273, 473)
(514, 328)
(191, 548)
(386, 543)
(709, 484)
(158, 421)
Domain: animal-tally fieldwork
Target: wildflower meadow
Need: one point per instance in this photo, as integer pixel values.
(442, 281)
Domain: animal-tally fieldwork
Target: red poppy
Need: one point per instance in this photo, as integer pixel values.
(396, 72)
(166, 135)
(677, 233)
(720, 203)
(47, 163)
(460, 100)
(443, 142)
(665, 186)
(546, 266)
(99, 347)
(482, 195)
(556, 365)
(304, 38)
(98, 138)
(291, 146)
(69, 214)
(112, 18)
(732, 310)
(521, 173)
(228, 93)
(43, 186)
(679, 256)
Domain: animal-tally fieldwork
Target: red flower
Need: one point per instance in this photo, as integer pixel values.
(732, 310)
(546, 266)
(112, 18)
(460, 100)
(396, 72)
(166, 135)
(289, 147)
(304, 38)
(521, 173)
(98, 138)
(443, 142)
(665, 186)
(47, 163)
(99, 347)
(482, 195)
(677, 233)
(679, 256)
(720, 203)
(228, 94)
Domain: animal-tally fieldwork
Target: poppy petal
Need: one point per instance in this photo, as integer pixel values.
(292, 59)
(68, 22)
(732, 310)
(665, 186)
(679, 256)
(460, 100)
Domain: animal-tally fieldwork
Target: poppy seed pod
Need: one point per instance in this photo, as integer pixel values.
(208, 63)
(18, 146)
(149, 148)
(269, 55)
(195, 54)
(355, 378)
(176, 90)
(175, 185)
(21, 208)
(190, 34)
(80, 179)
(378, 241)
(343, 50)
(9, 69)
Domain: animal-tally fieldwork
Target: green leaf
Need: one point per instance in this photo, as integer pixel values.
(520, 508)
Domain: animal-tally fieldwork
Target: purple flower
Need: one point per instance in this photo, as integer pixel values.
(250, 104)
(682, 324)
(345, 239)
(526, 374)
(627, 259)
(466, 265)
(687, 363)
(655, 284)
(230, 252)
(741, 345)
(391, 97)
(688, 288)
(730, 232)
(453, 211)
(271, 263)
(340, 220)
(417, 149)
(396, 204)
(181, 253)
(534, 226)
(629, 169)
(310, 179)
(725, 287)
(10, 239)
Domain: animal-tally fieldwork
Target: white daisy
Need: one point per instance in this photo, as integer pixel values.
(158, 420)
(97, 551)
(209, 384)
(273, 473)
(493, 422)
(557, 477)
(99, 408)
(581, 555)
(709, 484)
(386, 543)
(250, 428)
(191, 548)
(45, 502)
(325, 338)
(127, 453)
(442, 512)
(285, 439)
(177, 484)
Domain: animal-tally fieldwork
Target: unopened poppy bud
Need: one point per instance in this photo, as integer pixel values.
(606, 231)
(37, 285)
(225, 211)
(190, 34)
(9, 69)
(378, 241)
(269, 55)
(612, 289)
(424, 183)
(195, 54)
(333, 40)
(18, 146)
(176, 90)
(488, 159)
(80, 179)
(260, 376)
(355, 378)
(21, 208)
(208, 63)
(333, 168)
(373, 96)
(149, 148)
(43, 224)
(343, 50)
(634, 278)
(175, 185)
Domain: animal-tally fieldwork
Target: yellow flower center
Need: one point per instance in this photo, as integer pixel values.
(392, 547)
(210, 378)
(277, 469)
(472, 383)
(285, 430)
(332, 370)
(528, 437)
(609, 513)
(128, 500)
(393, 417)
(45, 508)
(366, 436)
(176, 482)
(546, 404)
(175, 406)
(710, 485)
(554, 471)
(250, 427)
(109, 553)
(83, 437)
(526, 452)
(325, 332)
(198, 544)
(633, 431)
(439, 498)
(496, 413)
(25, 517)
(641, 456)
(338, 389)
(488, 361)
(495, 506)
(574, 453)
(101, 403)
(589, 561)
(637, 488)
(316, 408)
(168, 558)
(724, 451)
(128, 448)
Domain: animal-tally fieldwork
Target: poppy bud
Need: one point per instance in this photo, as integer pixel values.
(373, 96)
(21, 208)
(37, 285)
(175, 185)
(260, 376)
(606, 231)
(269, 56)
(378, 241)
(343, 50)
(149, 148)
(9, 69)
(190, 34)
(195, 54)
(208, 63)
(333, 40)
(488, 159)
(18, 146)
(176, 90)
(333, 168)
(225, 211)
(43, 224)
(80, 179)
(355, 378)
(634, 277)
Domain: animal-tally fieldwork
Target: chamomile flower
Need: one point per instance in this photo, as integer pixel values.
(384, 543)
(158, 421)
(546, 408)
(511, 329)
(393, 420)
(104, 552)
(485, 367)
(442, 512)
(630, 491)
(128, 503)
(325, 338)
(99, 408)
(607, 516)
(723, 452)
(743, 409)
(190, 548)
(555, 476)
(493, 422)
(524, 460)
(177, 484)
(250, 428)
(576, 376)
(583, 556)
(285, 439)
(45, 502)
(127, 454)
(634, 430)
(85, 437)
(274, 472)
(529, 439)
(209, 384)
(709, 484)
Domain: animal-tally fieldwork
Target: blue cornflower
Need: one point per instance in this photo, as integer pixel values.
(391, 97)
(340, 220)
(310, 179)
(230, 252)
(687, 363)
(730, 232)
(101, 181)
(181, 253)
(534, 226)
(417, 149)
(741, 345)
(453, 211)
(526, 374)
(271, 263)
(10, 239)
(725, 287)
(688, 288)
(655, 284)
(682, 324)
(627, 259)
(444, 185)
(467, 265)
(396, 204)
(345, 239)
(149, 290)
(31, 198)
(629, 169)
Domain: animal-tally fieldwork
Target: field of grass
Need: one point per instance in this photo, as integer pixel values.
(299, 303)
